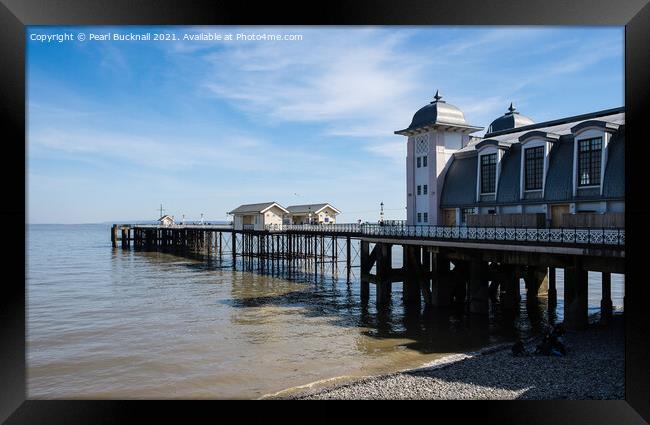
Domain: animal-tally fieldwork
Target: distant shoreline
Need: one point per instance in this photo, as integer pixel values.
(594, 368)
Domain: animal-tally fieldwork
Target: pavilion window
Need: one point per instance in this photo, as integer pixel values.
(589, 158)
(424, 161)
(488, 173)
(419, 161)
(534, 167)
(464, 213)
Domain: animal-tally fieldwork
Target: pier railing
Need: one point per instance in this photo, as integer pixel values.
(316, 228)
(562, 236)
(185, 226)
(609, 237)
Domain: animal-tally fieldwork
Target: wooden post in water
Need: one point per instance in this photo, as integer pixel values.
(234, 248)
(348, 260)
(125, 238)
(365, 269)
(412, 274)
(606, 300)
(552, 289)
(478, 288)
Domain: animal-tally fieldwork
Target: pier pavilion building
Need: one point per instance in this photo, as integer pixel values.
(312, 214)
(568, 172)
(257, 216)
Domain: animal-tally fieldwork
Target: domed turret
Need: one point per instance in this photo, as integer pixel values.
(509, 120)
(438, 112)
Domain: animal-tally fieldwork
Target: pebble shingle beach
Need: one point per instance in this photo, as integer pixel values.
(592, 369)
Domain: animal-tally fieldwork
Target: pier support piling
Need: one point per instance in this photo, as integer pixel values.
(509, 294)
(575, 297)
(478, 287)
(536, 279)
(366, 265)
(412, 274)
(606, 307)
(383, 278)
(552, 289)
(442, 284)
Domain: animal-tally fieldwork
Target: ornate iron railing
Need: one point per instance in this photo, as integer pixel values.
(185, 226)
(579, 237)
(608, 237)
(316, 228)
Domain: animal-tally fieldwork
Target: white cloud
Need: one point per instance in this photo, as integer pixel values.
(359, 79)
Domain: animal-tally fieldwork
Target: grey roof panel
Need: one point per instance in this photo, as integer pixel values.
(297, 209)
(252, 207)
(614, 181)
(563, 125)
(508, 190)
(460, 183)
(559, 177)
(438, 112)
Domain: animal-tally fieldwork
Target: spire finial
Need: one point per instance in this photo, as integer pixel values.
(437, 97)
(511, 108)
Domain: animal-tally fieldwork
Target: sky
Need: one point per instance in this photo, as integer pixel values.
(117, 127)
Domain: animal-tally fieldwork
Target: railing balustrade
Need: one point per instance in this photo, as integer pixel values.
(607, 237)
(561, 236)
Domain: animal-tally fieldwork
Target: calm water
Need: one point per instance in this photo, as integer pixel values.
(107, 323)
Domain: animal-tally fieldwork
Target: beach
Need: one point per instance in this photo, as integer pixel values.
(592, 369)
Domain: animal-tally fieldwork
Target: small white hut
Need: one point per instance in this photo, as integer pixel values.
(257, 216)
(313, 214)
(166, 220)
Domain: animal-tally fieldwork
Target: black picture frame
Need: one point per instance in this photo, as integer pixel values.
(634, 14)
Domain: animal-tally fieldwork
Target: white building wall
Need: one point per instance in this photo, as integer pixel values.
(421, 147)
(598, 207)
(534, 209)
(272, 216)
(327, 214)
(439, 147)
(410, 180)
(510, 209)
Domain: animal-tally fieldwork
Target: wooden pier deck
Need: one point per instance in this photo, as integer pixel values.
(441, 265)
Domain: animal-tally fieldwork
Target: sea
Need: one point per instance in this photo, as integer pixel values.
(108, 323)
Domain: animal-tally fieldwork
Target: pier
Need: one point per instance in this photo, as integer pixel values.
(441, 265)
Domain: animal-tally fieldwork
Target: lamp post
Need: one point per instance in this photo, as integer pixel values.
(381, 213)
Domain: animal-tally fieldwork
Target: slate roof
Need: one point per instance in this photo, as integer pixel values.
(255, 208)
(459, 188)
(460, 183)
(307, 208)
(559, 177)
(509, 183)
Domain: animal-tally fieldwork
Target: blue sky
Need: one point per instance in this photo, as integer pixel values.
(117, 127)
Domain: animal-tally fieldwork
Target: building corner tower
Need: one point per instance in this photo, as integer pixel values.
(437, 131)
